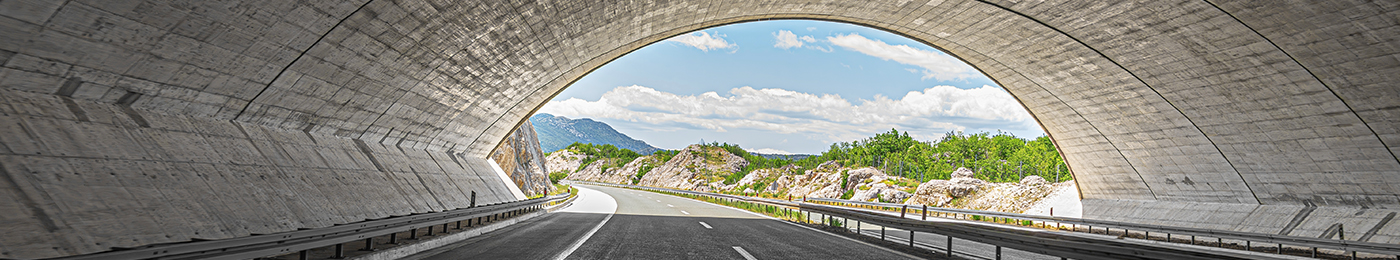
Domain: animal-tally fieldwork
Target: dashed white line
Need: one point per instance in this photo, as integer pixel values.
(687, 213)
(658, 200)
(744, 253)
(669, 205)
(707, 226)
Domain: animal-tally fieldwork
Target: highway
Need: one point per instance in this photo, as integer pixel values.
(613, 223)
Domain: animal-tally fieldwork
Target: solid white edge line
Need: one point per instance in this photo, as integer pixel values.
(794, 224)
(744, 253)
(707, 226)
(585, 237)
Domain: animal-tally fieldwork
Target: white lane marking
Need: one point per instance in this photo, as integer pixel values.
(813, 229)
(570, 250)
(669, 205)
(687, 213)
(707, 226)
(744, 253)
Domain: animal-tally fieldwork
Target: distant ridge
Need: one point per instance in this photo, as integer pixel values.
(557, 132)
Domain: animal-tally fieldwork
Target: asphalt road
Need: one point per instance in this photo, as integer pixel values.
(647, 225)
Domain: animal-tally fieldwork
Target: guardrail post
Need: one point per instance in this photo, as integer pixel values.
(903, 210)
(1314, 253)
(924, 212)
(444, 228)
(339, 251)
(303, 255)
(369, 244)
(394, 238)
(430, 230)
(950, 246)
(413, 233)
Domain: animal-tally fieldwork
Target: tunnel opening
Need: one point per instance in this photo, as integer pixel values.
(667, 92)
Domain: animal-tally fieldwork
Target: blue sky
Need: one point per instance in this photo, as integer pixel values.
(789, 86)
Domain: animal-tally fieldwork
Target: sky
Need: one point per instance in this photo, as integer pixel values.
(790, 86)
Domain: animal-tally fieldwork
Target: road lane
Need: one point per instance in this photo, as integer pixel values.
(544, 237)
(644, 225)
(657, 226)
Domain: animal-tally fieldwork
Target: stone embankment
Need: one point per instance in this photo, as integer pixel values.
(703, 168)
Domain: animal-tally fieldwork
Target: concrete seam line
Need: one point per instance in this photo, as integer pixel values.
(801, 226)
(585, 237)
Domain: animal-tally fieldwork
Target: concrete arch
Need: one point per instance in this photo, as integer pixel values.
(1201, 113)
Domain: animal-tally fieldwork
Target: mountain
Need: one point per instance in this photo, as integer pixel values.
(557, 132)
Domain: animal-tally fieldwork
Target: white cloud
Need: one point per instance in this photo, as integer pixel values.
(811, 29)
(768, 151)
(807, 38)
(787, 40)
(936, 65)
(928, 113)
(703, 40)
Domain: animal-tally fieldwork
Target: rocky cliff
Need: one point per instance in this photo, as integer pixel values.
(520, 157)
(697, 168)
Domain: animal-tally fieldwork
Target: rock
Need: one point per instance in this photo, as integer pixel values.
(1033, 180)
(824, 181)
(749, 191)
(866, 195)
(864, 177)
(520, 157)
(894, 195)
(695, 166)
(564, 160)
(963, 173)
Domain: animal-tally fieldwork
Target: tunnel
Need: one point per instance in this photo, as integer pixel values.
(136, 122)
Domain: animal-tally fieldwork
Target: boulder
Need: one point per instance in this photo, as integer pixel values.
(1033, 180)
(963, 173)
(894, 195)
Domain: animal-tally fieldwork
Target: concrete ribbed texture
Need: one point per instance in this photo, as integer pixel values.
(129, 122)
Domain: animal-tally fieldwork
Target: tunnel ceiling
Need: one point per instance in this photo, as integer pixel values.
(1244, 102)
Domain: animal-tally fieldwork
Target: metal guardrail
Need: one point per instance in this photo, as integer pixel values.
(294, 241)
(1064, 244)
(1248, 237)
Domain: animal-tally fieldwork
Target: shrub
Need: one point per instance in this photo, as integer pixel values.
(554, 177)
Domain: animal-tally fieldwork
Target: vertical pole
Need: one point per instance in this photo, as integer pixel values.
(911, 238)
(394, 238)
(998, 252)
(430, 230)
(882, 233)
(413, 233)
(903, 210)
(950, 246)
(303, 255)
(369, 244)
(339, 251)
(924, 212)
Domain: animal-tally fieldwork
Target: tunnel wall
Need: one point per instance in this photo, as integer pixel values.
(1201, 113)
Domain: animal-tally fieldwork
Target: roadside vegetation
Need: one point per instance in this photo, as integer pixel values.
(999, 157)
